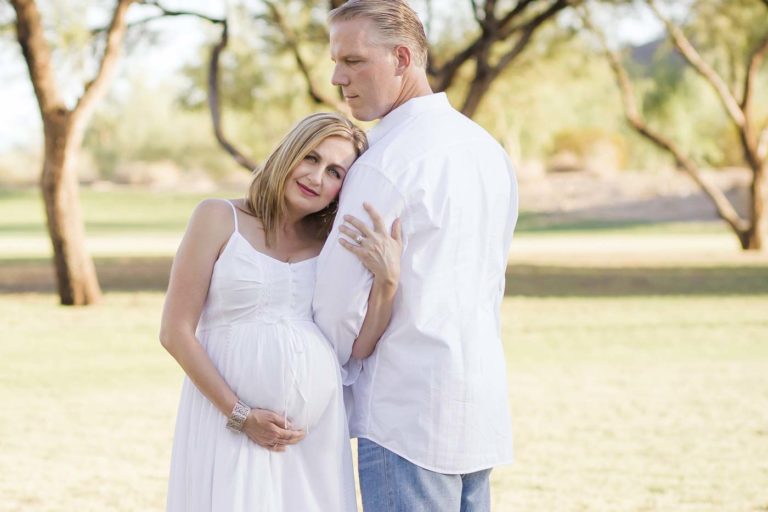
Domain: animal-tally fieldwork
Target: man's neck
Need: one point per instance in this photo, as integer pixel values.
(413, 87)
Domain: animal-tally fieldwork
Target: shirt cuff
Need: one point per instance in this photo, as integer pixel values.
(351, 370)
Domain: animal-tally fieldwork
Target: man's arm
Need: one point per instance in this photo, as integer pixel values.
(343, 284)
(380, 250)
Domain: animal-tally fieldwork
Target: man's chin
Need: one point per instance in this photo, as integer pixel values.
(363, 115)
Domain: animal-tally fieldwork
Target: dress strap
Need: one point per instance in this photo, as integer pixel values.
(234, 213)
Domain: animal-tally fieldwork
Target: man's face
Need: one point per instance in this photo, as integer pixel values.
(366, 72)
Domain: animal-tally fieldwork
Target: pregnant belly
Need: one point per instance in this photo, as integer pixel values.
(287, 369)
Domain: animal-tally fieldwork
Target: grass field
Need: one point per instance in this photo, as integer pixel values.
(638, 375)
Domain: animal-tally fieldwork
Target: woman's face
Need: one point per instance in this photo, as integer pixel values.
(316, 181)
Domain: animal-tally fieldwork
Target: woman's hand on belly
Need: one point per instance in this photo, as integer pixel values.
(269, 430)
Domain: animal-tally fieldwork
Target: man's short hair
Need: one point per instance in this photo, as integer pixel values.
(396, 23)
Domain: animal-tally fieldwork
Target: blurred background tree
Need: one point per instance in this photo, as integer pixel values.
(721, 47)
(64, 125)
(522, 69)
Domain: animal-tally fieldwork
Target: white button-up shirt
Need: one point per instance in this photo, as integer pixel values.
(434, 391)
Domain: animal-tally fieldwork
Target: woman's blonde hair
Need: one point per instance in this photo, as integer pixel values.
(395, 22)
(266, 194)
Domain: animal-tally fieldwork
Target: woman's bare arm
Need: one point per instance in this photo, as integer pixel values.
(188, 287)
(190, 278)
(380, 250)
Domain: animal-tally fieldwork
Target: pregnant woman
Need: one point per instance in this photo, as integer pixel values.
(261, 422)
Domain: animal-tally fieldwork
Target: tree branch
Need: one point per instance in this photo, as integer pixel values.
(527, 32)
(506, 21)
(172, 12)
(213, 102)
(724, 208)
(444, 75)
(489, 12)
(164, 13)
(97, 87)
(762, 143)
(430, 18)
(37, 54)
(476, 11)
(681, 42)
(755, 60)
(485, 74)
(137, 23)
(292, 44)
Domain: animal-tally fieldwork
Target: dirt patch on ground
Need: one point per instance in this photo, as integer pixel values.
(659, 196)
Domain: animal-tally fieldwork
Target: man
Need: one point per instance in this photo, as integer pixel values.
(429, 406)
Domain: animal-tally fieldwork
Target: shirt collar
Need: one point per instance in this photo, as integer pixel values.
(410, 108)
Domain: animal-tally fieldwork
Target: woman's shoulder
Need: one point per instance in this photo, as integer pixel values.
(211, 215)
(214, 209)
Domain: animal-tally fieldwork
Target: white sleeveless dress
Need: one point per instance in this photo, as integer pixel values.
(257, 328)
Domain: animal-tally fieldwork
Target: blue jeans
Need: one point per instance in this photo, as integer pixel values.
(389, 483)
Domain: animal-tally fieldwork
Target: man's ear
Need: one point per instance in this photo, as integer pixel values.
(403, 56)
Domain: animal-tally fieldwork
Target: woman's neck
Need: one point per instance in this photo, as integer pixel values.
(293, 228)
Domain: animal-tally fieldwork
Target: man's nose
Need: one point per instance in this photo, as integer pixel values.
(339, 78)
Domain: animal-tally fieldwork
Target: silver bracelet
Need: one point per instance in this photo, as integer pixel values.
(237, 417)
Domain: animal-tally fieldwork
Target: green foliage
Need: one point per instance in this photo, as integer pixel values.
(257, 68)
(593, 145)
(75, 49)
(147, 125)
(243, 66)
(689, 112)
(557, 87)
(260, 84)
(726, 31)
(680, 104)
(558, 96)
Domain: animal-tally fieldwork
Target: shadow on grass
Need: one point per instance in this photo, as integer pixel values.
(543, 222)
(554, 281)
(116, 227)
(151, 274)
(553, 223)
(115, 274)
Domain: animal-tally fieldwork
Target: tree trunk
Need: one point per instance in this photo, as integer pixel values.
(64, 129)
(755, 236)
(477, 91)
(76, 277)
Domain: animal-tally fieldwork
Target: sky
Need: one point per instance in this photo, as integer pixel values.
(19, 115)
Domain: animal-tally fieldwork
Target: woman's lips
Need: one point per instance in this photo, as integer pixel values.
(307, 191)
